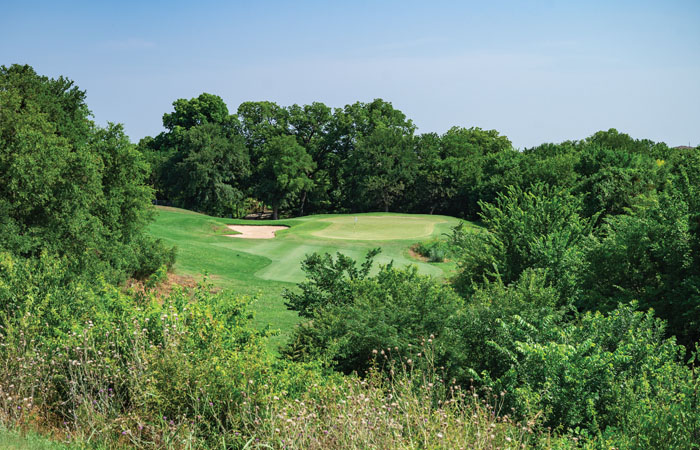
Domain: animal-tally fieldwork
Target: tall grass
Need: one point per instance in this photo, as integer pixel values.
(189, 371)
(410, 410)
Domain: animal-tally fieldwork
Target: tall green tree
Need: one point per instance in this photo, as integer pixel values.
(352, 125)
(206, 108)
(69, 189)
(283, 172)
(201, 161)
(208, 170)
(481, 164)
(311, 125)
(432, 188)
(383, 165)
(260, 122)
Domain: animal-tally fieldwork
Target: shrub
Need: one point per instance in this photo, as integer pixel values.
(609, 375)
(539, 229)
(647, 255)
(98, 362)
(391, 309)
(436, 250)
(482, 335)
(327, 282)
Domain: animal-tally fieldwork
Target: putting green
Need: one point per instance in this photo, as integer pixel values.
(378, 228)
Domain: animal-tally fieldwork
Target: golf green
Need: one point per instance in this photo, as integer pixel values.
(378, 228)
(263, 268)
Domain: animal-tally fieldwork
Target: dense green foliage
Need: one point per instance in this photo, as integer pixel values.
(148, 367)
(591, 375)
(572, 320)
(70, 188)
(537, 229)
(312, 159)
(353, 314)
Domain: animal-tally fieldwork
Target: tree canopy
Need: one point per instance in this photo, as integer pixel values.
(69, 188)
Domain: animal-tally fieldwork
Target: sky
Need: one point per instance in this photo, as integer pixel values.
(536, 71)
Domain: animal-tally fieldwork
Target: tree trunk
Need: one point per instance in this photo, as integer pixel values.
(275, 210)
(432, 210)
(303, 200)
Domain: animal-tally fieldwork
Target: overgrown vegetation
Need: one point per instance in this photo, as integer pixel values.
(572, 321)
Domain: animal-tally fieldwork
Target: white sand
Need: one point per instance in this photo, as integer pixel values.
(255, 231)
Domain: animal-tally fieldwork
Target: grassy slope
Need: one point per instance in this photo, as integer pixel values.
(264, 267)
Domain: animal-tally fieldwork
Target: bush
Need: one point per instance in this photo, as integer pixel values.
(482, 335)
(327, 282)
(391, 310)
(647, 255)
(539, 229)
(98, 362)
(436, 250)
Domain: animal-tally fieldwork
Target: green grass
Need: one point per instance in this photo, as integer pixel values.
(264, 267)
(377, 228)
(13, 440)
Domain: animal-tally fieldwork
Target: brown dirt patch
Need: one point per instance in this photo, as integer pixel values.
(163, 289)
(255, 231)
(415, 255)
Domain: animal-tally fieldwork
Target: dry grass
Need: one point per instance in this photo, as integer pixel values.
(410, 409)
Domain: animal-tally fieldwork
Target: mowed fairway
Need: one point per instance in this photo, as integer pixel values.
(264, 267)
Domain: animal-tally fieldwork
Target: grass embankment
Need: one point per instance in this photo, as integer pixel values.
(264, 267)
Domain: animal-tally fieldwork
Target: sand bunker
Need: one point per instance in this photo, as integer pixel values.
(255, 231)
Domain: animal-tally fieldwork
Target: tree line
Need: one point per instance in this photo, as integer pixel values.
(368, 157)
(313, 159)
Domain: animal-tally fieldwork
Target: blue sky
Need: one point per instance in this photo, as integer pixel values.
(536, 71)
